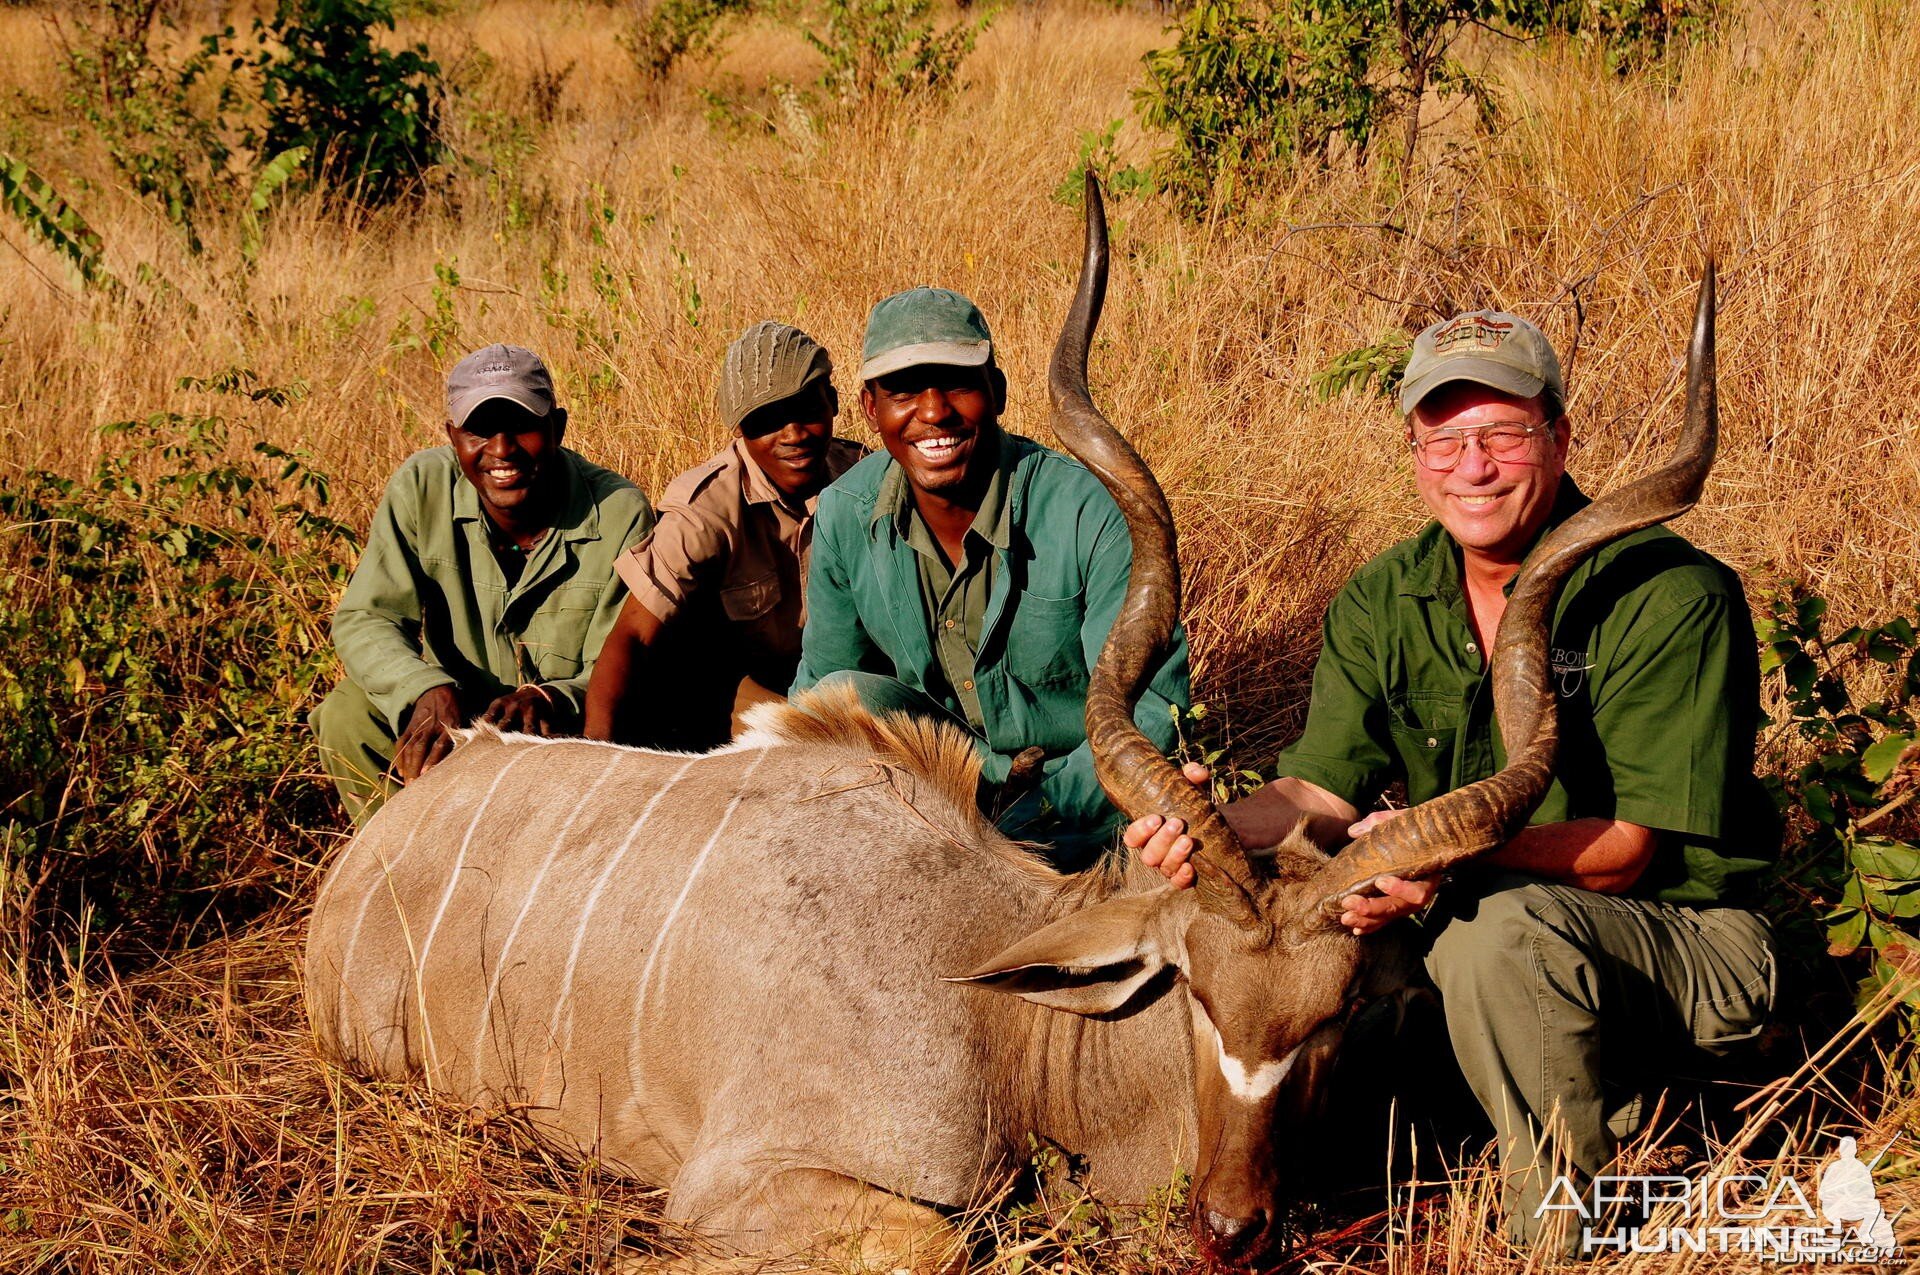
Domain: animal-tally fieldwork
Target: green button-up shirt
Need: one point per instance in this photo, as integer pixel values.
(1657, 672)
(1054, 589)
(429, 605)
(955, 594)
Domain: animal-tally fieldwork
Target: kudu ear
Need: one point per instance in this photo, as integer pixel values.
(1095, 962)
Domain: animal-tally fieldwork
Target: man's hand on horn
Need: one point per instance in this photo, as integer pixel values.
(1262, 820)
(1368, 913)
(1162, 840)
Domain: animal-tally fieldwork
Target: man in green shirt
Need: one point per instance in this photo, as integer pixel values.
(970, 574)
(1583, 961)
(486, 587)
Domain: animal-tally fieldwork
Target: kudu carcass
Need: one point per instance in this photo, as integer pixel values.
(761, 976)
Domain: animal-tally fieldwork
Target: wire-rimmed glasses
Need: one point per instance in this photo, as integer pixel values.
(1442, 449)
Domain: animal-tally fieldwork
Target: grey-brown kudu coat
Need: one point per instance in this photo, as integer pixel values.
(760, 976)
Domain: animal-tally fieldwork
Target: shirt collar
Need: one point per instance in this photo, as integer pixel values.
(579, 516)
(1435, 572)
(992, 521)
(759, 488)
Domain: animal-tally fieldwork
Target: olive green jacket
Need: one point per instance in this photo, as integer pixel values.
(429, 606)
(1056, 587)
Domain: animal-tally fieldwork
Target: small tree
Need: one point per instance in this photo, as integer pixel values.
(368, 115)
(1253, 84)
(891, 46)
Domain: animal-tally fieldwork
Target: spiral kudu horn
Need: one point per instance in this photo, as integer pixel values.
(1138, 779)
(1480, 817)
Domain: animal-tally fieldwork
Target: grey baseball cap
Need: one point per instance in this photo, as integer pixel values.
(1488, 347)
(498, 371)
(769, 362)
(924, 325)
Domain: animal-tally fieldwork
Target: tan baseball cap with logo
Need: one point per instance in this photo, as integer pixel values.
(510, 372)
(769, 362)
(1487, 347)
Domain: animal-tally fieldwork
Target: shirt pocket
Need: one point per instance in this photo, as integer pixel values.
(554, 638)
(1425, 728)
(750, 599)
(1043, 641)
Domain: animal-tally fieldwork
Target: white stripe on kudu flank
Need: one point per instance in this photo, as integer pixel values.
(1247, 1084)
(561, 1003)
(460, 859)
(673, 913)
(526, 906)
(373, 887)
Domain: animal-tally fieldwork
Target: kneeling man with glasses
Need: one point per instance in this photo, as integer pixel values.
(1587, 961)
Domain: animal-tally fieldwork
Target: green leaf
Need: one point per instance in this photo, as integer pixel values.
(1818, 805)
(46, 216)
(1845, 938)
(1878, 761)
(1889, 860)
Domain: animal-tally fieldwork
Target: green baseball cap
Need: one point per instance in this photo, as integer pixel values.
(1487, 347)
(924, 325)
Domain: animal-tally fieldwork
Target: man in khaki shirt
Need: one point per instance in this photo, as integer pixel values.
(717, 592)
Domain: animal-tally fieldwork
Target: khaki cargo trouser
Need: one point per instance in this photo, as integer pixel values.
(1565, 1007)
(356, 747)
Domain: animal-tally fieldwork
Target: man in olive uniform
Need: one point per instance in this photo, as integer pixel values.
(970, 574)
(717, 591)
(486, 587)
(1601, 948)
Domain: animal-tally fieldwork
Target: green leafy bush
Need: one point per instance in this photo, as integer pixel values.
(1251, 86)
(1100, 155)
(369, 115)
(165, 124)
(1852, 697)
(876, 47)
(163, 622)
(669, 30)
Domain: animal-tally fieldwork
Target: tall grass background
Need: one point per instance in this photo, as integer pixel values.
(177, 1119)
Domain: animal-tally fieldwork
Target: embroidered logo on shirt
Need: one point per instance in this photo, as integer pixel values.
(1570, 670)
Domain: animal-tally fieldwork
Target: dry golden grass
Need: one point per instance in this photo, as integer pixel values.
(181, 1122)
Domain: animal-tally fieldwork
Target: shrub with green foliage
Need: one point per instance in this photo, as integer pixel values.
(669, 30)
(163, 623)
(891, 47)
(1852, 696)
(370, 116)
(1251, 86)
(165, 124)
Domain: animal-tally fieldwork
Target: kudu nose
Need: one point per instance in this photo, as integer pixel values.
(1230, 1237)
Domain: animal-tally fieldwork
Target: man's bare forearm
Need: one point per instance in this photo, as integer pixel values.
(1603, 855)
(1266, 816)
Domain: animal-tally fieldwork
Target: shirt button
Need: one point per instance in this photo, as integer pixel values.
(1432, 742)
(949, 623)
(1472, 649)
(967, 685)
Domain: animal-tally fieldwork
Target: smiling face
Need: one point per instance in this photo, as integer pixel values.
(1492, 508)
(931, 418)
(506, 452)
(788, 439)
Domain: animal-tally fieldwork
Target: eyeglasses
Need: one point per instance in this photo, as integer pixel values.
(1442, 449)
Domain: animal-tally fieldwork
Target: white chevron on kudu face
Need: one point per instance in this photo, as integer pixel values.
(1248, 1084)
